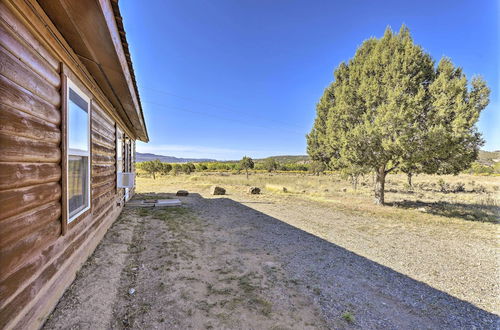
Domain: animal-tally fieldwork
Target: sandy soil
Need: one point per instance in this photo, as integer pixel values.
(282, 262)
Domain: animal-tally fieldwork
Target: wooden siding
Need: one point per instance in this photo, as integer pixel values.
(103, 161)
(37, 263)
(30, 153)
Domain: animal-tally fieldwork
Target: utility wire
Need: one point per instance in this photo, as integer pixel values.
(217, 106)
(218, 117)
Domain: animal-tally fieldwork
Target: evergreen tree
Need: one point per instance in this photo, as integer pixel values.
(389, 108)
(165, 168)
(270, 164)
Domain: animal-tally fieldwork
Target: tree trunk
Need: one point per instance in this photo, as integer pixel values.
(154, 177)
(247, 172)
(380, 186)
(409, 175)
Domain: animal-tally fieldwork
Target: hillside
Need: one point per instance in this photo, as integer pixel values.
(485, 157)
(288, 158)
(489, 157)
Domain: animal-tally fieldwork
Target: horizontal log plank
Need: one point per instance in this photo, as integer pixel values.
(99, 170)
(102, 189)
(98, 180)
(102, 151)
(20, 98)
(105, 124)
(15, 175)
(12, 256)
(21, 225)
(28, 55)
(19, 123)
(18, 72)
(103, 159)
(23, 33)
(21, 149)
(18, 200)
(102, 202)
(102, 130)
(103, 141)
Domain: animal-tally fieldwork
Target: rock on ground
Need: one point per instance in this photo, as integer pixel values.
(216, 190)
(253, 190)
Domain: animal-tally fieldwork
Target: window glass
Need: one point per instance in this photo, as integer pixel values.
(77, 184)
(119, 151)
(78, 135)
(78, 169)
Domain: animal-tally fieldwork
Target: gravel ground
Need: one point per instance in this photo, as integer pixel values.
(282, 262)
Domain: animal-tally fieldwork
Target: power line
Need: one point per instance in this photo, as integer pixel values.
(217, 106)
(218, 117)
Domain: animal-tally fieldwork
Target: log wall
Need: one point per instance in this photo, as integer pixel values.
(38, 262)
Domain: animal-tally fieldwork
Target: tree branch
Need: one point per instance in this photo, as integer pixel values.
(392, 168)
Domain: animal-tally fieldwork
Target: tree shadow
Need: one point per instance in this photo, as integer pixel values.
(469, 212)
(339, 280)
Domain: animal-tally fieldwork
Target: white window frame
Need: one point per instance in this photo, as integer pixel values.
(75, 152)
(119, 145)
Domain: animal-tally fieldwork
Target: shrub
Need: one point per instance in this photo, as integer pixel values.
(480, 189)
(459, 187)
(176, 169)
(443, 186)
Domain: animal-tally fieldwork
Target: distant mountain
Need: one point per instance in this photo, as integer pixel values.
(142, 157)
(288, 158)
(489, 157)
(485, 158)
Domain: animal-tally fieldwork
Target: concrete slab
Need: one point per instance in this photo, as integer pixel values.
(154, 203)
(168, 202)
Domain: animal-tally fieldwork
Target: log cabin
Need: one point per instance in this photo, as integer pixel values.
(69, 119)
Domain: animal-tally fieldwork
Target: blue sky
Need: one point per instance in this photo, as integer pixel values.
(224, 78)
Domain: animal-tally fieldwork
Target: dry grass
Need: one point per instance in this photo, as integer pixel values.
(432, 195)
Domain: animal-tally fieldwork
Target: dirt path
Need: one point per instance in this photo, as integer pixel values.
(231, 263)
(182, 271)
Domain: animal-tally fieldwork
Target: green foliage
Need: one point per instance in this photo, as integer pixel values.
(478, 168)
(201, 167)
(176, 169)
(151, 167)
(165, 168)
(390, 108)
(317, 167)
(246, 163)
(348, 317)
(188, 168)
(270, 164)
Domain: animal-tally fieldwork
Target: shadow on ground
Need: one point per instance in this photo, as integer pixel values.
(470, 212)
(340, 280)
(337, 280)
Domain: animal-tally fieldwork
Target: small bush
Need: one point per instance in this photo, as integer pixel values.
(443, 186)
(459, 187)
(480, 189)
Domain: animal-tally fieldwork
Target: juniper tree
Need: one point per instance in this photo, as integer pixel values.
(151, 167)
(165, 168)
(246, 163)
(389, 108)
(270, 165)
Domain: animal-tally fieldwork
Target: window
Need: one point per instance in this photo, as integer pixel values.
(119, 153)
(78, 135)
